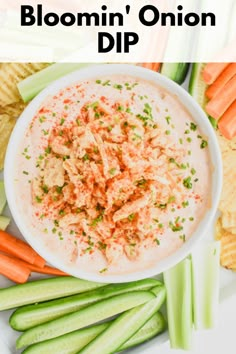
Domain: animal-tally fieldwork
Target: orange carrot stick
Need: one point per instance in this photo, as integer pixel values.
(39, 261)
(47, 270)
(227, 124)
(34, 268)
(219, 104)
(14, 271)
(221, 81)
(20, 249)
(151, 66)
(212, 71)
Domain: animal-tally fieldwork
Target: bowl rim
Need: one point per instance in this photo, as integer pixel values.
(188, 102)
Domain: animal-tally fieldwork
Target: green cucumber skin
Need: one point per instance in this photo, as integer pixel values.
(69, 343)
(175, 71)
(43, 290)
(3, 198)
(72, 342)
(4, 222)
(33, 315)
(156, 325)
(84, 317)
(125, 326)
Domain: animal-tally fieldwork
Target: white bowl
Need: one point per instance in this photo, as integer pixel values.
(198, 115)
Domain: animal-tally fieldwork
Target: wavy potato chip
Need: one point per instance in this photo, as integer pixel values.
(10, 75)
(228, 250)
(6, 126)
(228, 246)
(229, 221)
(228, 196)
(13, 110)
(225, 144)
(232, 230)
(226, 224)
(218, 229)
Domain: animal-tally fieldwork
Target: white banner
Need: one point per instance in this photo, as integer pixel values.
(118, 30)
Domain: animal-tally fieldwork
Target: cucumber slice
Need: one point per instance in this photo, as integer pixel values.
(3, 198)
(156, 325)
(84, 317)
(4, 222)
(175, 71)
(43, 290)
(33, 315)
(72, 342)
(69, 343)
(124, 327)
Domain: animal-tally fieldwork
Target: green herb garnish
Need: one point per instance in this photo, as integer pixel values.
(204, 144)
(188, 183)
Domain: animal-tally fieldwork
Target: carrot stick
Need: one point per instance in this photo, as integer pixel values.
(33, 268)
(219, 104)
(14, 271)
(227, 124)
(20, 249)
(212, 71)
(47, 270)
(39, 261)
(151, 66)
(156, 66)
(221, 81)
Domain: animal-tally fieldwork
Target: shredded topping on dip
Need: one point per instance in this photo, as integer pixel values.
(113, 171)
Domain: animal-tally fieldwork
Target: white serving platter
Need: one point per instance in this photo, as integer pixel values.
(8, 336)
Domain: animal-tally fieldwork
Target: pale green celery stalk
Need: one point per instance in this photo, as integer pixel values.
(3, 198)
(178, 282)
(205, 280)
(4, 222)
(35, 83)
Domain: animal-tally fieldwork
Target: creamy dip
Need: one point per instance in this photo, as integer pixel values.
(113, 175)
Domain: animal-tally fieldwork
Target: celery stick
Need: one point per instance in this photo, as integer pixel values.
(205, 278)
(179, 305)
(4, 222)
(35, 83)
(3, 198)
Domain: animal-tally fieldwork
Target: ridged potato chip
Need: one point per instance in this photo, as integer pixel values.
(218, 229)
(228, 246)
(232, 230)
(226, 224)
(228, 196)
(228, 250)
(10, 75)
(225, 144)
(229, 221)
(6, 126)
(13, 110)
